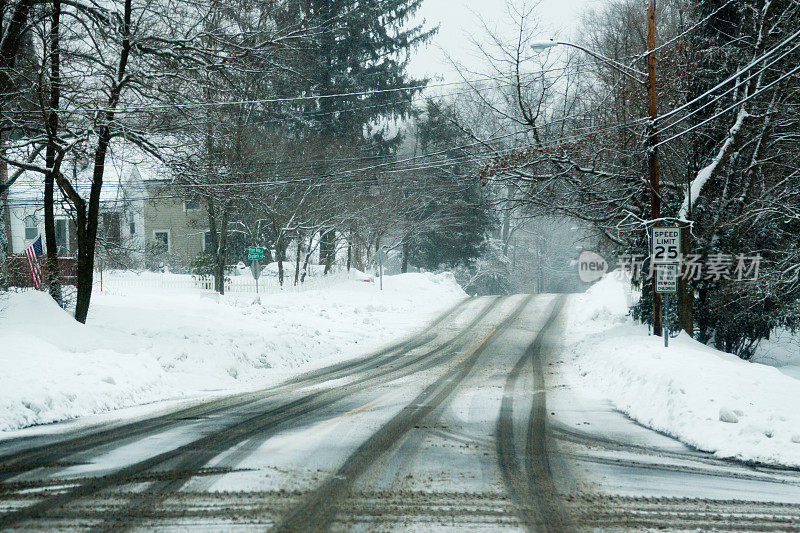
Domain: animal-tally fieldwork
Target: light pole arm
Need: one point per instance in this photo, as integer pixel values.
(636, 75)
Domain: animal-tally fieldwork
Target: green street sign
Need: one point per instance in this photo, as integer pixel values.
(255, 252)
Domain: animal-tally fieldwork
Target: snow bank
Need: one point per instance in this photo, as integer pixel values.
(781, 350)
(709, 399)
(143, 345)
(52, 368)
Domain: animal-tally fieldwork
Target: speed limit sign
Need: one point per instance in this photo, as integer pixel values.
(666, 245)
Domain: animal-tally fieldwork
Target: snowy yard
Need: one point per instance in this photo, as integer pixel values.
(144, 345)
(708, 399)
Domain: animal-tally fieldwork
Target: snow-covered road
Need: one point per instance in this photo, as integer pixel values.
(474, 423)
(154, 343)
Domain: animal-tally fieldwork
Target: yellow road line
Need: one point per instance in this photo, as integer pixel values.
(336, 421)
(484, 340)
(325, 425)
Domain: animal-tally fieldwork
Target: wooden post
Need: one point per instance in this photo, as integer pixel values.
(652, 148)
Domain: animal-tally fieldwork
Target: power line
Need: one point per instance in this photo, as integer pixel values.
(339, 177)
(733, 106)
(730, 89)
(730, 78)
(686, 32)
(418, 87)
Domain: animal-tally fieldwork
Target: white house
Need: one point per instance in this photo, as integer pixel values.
(121, 225)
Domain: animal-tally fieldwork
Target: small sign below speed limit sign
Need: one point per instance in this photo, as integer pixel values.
(666, 245)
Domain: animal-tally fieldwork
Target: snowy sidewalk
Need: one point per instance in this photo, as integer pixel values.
(708, 399)
(142, 346)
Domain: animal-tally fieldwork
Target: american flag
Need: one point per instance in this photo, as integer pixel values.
(31, 253)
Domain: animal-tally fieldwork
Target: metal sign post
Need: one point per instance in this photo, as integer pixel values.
(666, 283)
(255, 254)
(665, 314)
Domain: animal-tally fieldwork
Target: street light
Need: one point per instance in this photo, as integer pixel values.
(637, 75)
(649, 81)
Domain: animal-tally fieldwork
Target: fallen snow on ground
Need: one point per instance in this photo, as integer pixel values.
(781, 350)
(143, 344)
(711, 400)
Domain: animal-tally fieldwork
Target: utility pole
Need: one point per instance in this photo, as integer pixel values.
(652, 146)
(648, 79)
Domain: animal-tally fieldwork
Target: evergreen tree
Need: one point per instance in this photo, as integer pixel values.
(361, 51)
(363, 47)
(455, 217)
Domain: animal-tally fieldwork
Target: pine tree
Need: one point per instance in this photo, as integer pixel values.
(363, 47)
(361, 51)
(456, 217)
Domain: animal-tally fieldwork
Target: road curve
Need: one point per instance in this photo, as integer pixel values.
(243, 417)
(473, 424)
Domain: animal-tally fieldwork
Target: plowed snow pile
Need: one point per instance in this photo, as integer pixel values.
(144, 345)
(711, 400)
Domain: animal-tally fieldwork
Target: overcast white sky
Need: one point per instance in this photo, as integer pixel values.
(459, 18)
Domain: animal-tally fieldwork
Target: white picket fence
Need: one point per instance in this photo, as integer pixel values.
(131, 280)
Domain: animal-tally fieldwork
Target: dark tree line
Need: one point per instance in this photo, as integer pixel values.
(282, 119)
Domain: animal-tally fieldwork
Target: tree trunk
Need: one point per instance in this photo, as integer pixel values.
(349, 251)
(219, 241)
(87, 228)
(219, 269)
(15, 28)
(5, 219)
(330, 254)
(5, 223)
(309, 251)
(51, 258)
(297, 258)
(84, 268)
(279, 253)
(404, 259)
(505, 234)
(327, 249)
(52, 163)
(223, 249)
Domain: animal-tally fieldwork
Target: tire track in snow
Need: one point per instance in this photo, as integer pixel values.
(194, 455)
(15, 463)
(527, 476)
(318, 510)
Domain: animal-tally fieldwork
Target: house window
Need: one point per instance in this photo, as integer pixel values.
(61, 237)
(190, 204)
(111, 227)
(132, 224)
(162, 239)
(31, 227)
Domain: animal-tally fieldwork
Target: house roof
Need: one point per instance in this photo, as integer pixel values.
(126, 168)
